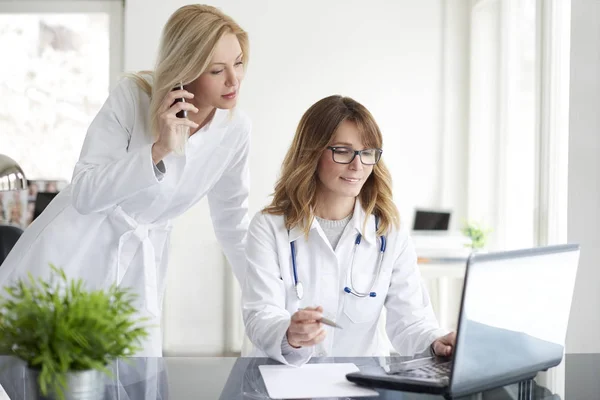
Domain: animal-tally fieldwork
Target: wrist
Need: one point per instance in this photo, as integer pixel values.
(291, 342)
(158, 153)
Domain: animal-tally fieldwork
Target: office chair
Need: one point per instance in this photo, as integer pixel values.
(8, 237)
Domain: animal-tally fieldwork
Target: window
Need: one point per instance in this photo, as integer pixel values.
(62, 58)
(517, 121)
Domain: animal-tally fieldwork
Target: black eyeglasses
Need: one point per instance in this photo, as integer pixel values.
(345, 155)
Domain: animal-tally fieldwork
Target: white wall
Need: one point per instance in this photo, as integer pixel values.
(584, 174)
(385, 54)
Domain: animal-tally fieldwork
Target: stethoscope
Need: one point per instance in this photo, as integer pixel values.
(351, 290)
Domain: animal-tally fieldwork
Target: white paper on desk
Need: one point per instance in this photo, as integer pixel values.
(311, 380)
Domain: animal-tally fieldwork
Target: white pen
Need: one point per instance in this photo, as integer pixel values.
(329, 322)
(326, 321)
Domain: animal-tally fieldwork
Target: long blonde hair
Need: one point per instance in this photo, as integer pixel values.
(186, 48)
(296, 189)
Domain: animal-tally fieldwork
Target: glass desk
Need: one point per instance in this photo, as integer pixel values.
(232, 378)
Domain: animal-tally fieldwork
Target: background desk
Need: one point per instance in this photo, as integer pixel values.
(443, 278)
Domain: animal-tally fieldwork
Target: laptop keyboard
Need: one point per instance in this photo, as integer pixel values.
(427, 371)
(430, 371)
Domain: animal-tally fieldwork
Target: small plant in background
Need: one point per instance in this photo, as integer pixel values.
(478, 235)
(58, 326)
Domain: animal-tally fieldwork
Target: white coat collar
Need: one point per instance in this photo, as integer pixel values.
(297, 232)
(212, 134)
(357, 222)
(221, 119)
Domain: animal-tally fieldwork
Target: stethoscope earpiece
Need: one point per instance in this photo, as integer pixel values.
(348, 290)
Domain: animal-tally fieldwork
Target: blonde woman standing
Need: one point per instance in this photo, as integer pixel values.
(138, 169)
(331, 245)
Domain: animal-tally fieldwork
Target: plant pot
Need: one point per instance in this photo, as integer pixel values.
(482, 250)
(81, 385)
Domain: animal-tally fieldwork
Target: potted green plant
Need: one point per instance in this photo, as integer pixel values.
(66, 334)
(478, 235)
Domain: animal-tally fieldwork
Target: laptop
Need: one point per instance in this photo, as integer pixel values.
(512, 324)
(431, 220)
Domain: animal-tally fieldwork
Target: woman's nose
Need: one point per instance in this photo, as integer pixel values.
(232, 78)
(356, 164)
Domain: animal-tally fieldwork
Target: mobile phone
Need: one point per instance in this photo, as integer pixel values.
(182, 113)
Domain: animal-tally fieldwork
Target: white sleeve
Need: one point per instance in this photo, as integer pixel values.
(411, 323)
(107, 173)
(228, 202)
(263, 297)
(295, 356)
(159, 170)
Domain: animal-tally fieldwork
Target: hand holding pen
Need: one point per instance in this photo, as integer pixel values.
(305, 327)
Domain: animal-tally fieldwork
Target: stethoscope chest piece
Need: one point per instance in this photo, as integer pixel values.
(299, 290)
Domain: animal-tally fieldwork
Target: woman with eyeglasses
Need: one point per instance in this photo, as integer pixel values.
(330, 250)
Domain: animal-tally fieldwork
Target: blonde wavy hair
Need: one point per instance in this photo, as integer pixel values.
(186, 49)
(296, 189)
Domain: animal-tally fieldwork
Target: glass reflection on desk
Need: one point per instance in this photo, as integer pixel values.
(224, 378)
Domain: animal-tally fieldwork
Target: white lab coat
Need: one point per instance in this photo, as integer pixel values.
(269, 297)
(112, 223)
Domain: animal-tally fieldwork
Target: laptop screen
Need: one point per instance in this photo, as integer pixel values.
(431, 220)
(514, 315)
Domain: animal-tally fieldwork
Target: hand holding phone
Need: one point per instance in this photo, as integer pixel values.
(183, 132)
(173, 126)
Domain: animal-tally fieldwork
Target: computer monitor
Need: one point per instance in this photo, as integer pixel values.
(41, 202)
(431, 220)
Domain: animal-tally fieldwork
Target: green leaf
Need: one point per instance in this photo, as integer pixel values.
(476, 233)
